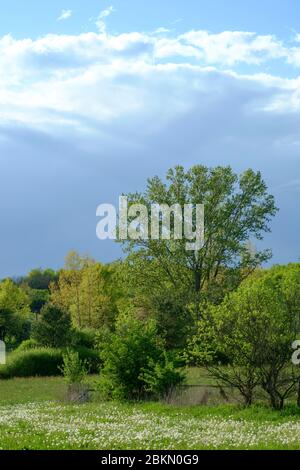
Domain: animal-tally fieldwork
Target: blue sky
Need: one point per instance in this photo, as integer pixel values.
(33, 18)
(97, 96)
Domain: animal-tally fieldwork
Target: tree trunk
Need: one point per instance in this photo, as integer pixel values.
(298, 394)
(276, 402)
(197, 281)
(248, 399)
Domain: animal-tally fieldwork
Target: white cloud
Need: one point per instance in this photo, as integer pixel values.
(100, 21)
(72, 78)
(297, 37)
(65, 14)
(161, 30)
(227, 48)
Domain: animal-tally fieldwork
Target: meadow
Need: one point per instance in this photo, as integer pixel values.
(34, 415)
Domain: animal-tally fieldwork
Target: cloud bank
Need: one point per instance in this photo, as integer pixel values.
(65, 79)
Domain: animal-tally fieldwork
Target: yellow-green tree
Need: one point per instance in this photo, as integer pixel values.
(83, 289)
(14, 310)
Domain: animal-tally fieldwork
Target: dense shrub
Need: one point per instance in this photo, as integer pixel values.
(162, 377)
(43, 362)
(134, 361)
(91, 357)
(84, 337)
(27, 345)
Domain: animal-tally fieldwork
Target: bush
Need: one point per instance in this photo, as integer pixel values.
(163, 377)
(102, 338)
(74, 369)
(34, 362)
(43, 362)
(27, 345)
(91, 357)
(134, 362)
(84, 337)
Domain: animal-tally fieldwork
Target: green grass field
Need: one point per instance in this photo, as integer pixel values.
(33, 415)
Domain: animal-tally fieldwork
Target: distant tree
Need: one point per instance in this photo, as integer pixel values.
(14, 311)
(84, 289)
(97, 303)
(40, 279)
(7, 323)
(53, 328)
(38, 298)
(66, 293)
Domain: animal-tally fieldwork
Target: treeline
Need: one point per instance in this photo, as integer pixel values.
(86, 290)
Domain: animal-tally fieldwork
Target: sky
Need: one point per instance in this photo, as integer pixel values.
(96, 96)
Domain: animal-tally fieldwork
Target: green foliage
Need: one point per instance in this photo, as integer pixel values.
(102, 339)
(203, 347)
(14, 312)
(254, 328)
(34, 362)
(40, 279)
(27, 345)
(173, 317)
(84, 337)
(74, 369)
(164, 279)
(162, 377)
(126, 354)
(38, 298)
(53, 328)
(237, 208)
(44, 362)
(91, 357)
(85, 290)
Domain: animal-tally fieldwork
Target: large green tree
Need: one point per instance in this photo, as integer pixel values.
(237, 208)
